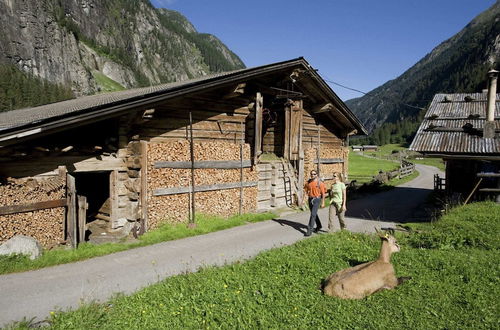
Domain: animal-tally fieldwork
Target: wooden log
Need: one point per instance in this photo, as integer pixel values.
(259, 104)
(13, 209)
(82, 218)
(104, 217)
(218, 164)
(220, 186)
(133, 163)
(143, 202)
(329, 160)
(71, 217)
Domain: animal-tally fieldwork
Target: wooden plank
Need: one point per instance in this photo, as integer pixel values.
(185, 190)
(288, 132)
(71, 218)
(329, 160)
(144, 188)
(82, 218)
(215, 164)
(181, 134)
(13, 209)
(488, 175)
(114, 192)
(259, 104)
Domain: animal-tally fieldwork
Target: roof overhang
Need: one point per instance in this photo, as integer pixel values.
(115, 104)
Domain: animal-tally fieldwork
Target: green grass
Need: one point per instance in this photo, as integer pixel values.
(436, 162)
(363, 169)
(106, 84)
(204, 224)
(452, 287)
(386, 151)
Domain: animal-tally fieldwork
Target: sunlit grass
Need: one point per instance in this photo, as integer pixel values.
(204, 224)
(453, 286)
(363, 169)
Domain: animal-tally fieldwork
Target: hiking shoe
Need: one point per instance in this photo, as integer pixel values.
(308, 233)
(317, 230)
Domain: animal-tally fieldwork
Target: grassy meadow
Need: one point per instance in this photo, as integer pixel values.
(454, 264)
(391, 152)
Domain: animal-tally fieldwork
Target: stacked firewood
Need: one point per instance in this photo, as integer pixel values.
(44, 225)
(326, 170)
(175, 208)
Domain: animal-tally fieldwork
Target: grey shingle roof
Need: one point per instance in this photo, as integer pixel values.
(21, 117)
(442, 130)
(31, 121)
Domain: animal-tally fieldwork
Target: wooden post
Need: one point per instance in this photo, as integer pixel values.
(71, 219)
(144, 188)
(259, 104)
(287, 149)
(318, 152)
(241, 180)
(191, 149)
(113, 198)
(82, 218)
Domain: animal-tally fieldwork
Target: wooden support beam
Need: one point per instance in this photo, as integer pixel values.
(13, 209)
(237, 91)
(217, 164)
(323, 108)
(259, 104)
(220, 186)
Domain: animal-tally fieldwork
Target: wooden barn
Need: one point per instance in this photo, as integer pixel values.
(103, 166)
(463, 129)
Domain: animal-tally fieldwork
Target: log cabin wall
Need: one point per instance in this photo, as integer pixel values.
(332, 152)
(87, 152)
(219, 128)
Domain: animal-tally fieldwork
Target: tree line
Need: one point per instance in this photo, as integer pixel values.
(21, 90)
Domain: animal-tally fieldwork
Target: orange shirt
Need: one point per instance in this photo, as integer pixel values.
(312, 189)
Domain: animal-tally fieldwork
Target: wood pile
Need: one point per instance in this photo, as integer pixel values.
(44, 225)
(175, 208)
(326, 170)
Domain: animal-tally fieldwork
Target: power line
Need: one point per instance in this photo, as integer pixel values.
(357, 90)
(352, 89)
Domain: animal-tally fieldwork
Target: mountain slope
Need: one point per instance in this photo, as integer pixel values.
(457, 65)
(80, 44)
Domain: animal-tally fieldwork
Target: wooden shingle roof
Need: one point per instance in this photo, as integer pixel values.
(454, 125)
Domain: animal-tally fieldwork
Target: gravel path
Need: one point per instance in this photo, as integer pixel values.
(35, 294)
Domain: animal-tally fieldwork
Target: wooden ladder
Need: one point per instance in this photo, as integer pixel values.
(290, 182)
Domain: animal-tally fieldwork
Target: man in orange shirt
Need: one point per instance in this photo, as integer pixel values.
(316, 191)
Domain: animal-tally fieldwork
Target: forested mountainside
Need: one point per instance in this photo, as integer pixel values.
(460, 64)
(73, 48)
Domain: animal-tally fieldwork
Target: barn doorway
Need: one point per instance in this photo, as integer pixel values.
(95, 187)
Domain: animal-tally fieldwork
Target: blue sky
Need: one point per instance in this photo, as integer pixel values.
(357, 43)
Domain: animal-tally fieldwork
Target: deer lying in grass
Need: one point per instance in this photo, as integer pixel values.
(362, 280)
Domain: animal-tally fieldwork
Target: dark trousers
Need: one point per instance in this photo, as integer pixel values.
(314, 206)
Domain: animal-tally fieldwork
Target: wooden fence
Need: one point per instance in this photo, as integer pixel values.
(439, 183)
(406, 168)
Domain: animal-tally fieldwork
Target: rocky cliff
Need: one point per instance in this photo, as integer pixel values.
(88, 44)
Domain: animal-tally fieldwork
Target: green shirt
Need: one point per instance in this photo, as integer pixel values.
(336, 192)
